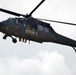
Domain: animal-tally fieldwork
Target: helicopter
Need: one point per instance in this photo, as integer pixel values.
(32, 29)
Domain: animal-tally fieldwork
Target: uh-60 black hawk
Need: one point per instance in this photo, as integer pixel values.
(29, 28)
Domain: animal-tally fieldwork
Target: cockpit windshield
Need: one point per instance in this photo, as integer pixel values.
(9, 19)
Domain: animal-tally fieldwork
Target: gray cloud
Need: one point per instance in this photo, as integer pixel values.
(45, 64)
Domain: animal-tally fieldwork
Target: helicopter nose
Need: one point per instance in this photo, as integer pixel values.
(1, 25)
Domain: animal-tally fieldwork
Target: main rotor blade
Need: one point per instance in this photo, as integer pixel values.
(57, 21)
(36, 8)
(10, 12)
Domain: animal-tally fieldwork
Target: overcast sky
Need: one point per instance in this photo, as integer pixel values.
(35, 58)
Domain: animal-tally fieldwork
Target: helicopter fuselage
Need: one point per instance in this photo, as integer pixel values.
(33, 29)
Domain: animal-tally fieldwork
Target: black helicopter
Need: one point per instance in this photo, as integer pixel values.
(34, 29)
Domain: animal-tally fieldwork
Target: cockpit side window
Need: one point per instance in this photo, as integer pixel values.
(17, 21)
(40, 27)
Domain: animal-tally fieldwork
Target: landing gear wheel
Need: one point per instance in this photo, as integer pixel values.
(14, 40)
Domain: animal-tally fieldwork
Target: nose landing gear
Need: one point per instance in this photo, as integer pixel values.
(13, 39)
(5, 36)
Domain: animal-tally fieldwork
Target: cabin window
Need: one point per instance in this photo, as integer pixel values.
(46, 29)
(40, 27)
(16, 21)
